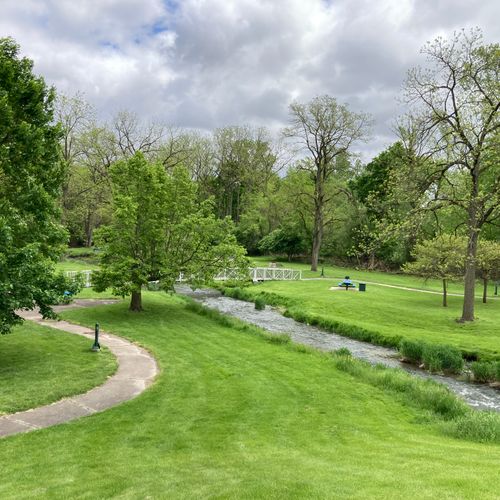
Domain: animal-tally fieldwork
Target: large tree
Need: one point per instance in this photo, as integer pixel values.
(326, 130)
(31, 175)
(159, 229)
(455, 103)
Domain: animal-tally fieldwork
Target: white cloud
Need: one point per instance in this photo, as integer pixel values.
(209, 63)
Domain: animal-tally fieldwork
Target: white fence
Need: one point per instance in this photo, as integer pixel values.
(274, 273)
(255, 274)
(87, 275)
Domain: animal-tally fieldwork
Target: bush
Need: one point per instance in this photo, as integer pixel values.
(412, 350)
(343, 351)
(260, 304)
(442, 358)
(484, 371)
(497, 373)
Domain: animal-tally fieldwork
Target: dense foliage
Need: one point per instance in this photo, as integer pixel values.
(31, 174)
(159, 230)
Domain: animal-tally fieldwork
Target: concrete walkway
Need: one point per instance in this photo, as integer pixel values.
(136, 371)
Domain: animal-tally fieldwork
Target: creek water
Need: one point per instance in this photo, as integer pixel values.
(479, 396)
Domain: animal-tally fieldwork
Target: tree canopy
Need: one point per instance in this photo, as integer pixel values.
(31, 174)
(456, 121)
(159, 230)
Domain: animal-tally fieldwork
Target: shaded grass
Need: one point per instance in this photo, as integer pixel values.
(39, 365)
(235, 416)
(384, 316)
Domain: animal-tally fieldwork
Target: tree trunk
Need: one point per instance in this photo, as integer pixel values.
(136, 301)
(470, 261)
(318, 224)
(470, 279)
(371, 263)
(316, 246)
(445, 297)
(485, 289)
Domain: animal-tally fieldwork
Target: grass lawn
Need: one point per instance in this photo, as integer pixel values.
(78, 259)
(397, 279)
(39, 365)
(235, 416)
(392, 313)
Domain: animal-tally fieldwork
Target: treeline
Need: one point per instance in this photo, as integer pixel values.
(372, 215)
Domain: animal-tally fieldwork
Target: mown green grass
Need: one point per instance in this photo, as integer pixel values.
(78, 259)
(396, 279)
(39, 365)
(234, 416)
(391, 313)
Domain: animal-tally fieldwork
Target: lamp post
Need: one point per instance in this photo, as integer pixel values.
(96, 347)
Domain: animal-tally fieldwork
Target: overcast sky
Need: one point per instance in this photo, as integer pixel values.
(210, 63)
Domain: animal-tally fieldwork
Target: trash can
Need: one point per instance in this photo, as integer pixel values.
(362, 287)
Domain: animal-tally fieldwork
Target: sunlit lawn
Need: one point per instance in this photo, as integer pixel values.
(234, 416)
(39, 365)
(397, 279)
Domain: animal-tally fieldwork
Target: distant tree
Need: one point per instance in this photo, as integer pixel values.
(327, 131)
(244, 163)
(31, 175)
(455, 110)
(380, 210)
(488, 263)
(288, 240)
(160, 229)
(442, 258)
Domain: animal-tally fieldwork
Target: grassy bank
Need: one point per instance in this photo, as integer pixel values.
(384, 315)
(235, 415)
(39, 365)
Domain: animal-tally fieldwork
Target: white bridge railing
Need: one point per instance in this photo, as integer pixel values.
(274, 273)
(87, 275)
(255, 274)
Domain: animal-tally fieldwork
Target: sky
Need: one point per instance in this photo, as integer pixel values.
(205, 64)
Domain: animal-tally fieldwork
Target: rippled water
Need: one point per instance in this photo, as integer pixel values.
(476, 395)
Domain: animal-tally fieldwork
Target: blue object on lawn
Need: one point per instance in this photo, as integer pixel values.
(347, 283)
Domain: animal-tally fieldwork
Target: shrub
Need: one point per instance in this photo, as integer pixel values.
(497, 372)
(343, 351)
(260, 303)
(412, 350)
(484, 371)
(442, 358)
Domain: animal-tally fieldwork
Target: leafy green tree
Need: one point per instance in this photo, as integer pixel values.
(288, 240)
(456, 112)
(488, 263)
(244, 164)
(327, 131)
(380, 209)
(159, 229)
(31, 174)
(442, 257)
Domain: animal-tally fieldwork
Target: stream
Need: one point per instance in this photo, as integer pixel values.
(479, 396)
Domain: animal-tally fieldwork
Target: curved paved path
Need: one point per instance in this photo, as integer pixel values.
(136, 371)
